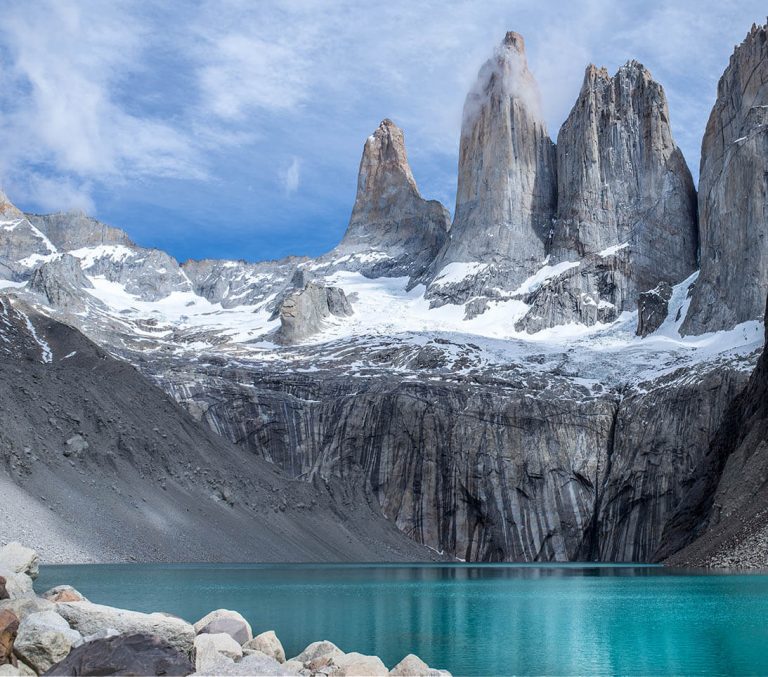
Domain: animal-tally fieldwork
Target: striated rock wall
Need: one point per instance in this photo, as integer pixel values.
(733, 195)
(303, 312)
(484, 468)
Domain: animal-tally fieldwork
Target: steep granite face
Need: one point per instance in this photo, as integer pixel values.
(507, 184)
(303, 312)
(75, 229)
(626, 201)
(733, 195)
(393, 230)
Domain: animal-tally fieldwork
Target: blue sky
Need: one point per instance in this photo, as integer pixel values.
(234, 129)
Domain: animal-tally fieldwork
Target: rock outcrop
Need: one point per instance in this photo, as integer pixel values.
(61, 282)
(304, 312)
(626, 202)
(653, 308)
(733, 195)
(507, 185)
(75, 229)
(393, 231)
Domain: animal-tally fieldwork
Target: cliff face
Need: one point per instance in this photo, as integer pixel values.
(626, 203)
(733, 195)
(507, 183)
(487, 467)
(392, 230)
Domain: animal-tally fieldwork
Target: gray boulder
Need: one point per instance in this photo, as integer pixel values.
(27, 604)
(89, 618)
(653, 308)
(44, 639)
(507, 185)
(136, 654)
(303, 313)
(257, 665)
(20, 560)
(733, 195)
(208, 649)
(358, 665)
(413, 666)
(225, 621)
(269, 644)
(318, 650)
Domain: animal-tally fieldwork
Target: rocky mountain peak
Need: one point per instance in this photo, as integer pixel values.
(392, 230)
(7, 209)
(515, 40)
(733, 184)
(506, 194)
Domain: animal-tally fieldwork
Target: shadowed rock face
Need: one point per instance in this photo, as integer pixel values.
(626, 202)
(507, 185)
(392, 227)
(733, 195)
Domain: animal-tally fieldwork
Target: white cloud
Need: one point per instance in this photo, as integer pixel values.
(290, 176)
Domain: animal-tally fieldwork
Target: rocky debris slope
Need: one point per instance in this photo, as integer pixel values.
(733, 195)
(507, 185)
(85, 435)
(393, 231)
(41, 635)
(626, 206)
(728, 508)
(304, 312)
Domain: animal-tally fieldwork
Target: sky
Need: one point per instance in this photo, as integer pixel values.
(233, 129)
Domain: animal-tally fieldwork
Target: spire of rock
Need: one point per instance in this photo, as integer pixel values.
(623, 180)
(733, 190)
(506, 191)
(390, 219)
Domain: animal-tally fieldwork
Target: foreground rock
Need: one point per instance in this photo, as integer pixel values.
(225, 621)
(19, 559)
(9, 628)
(137, 654)
(63, 593)
(44, 639)
(413, 666)
(88, 618)
(268, 644)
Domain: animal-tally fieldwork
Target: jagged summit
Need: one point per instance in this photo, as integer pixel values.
(392, 226)
(506, 194)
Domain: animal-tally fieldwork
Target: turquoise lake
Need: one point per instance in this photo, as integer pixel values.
(471, 620)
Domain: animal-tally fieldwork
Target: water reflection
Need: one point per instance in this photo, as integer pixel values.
(473, 620)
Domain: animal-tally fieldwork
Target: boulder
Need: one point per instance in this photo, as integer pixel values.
(3, 592)
(44, 639)
(19, 670)
(222, 643)
(413, 666)
(255, 664)
(137, 654)
(653, 308)
(89, 618)
(318, 650)
(19, 559)
(358, 665)
(293, 666)
(63, 593)
(17, 584)
(229, 622)
(9, 628)
(268, 643)
(29, 604)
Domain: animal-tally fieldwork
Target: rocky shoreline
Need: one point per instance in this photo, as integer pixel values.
(60, 632)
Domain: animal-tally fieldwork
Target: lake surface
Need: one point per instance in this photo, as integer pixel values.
(471, 620)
